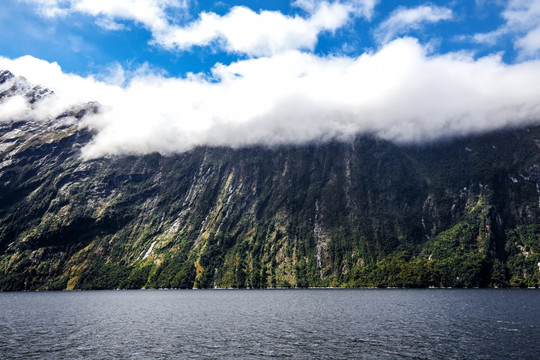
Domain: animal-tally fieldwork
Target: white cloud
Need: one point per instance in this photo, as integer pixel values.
(49, 8)
(150, 13)
(241, 30)
(398, 93)
(523, 17)
(402, 20)
(530, 43)
(522, 21)
(489, 38)
(257, 34)
(361, 8)
(307, 5)
(109, 24)
(15, 107)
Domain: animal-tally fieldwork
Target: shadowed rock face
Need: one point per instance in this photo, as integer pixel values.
(463, 212)
(5, 75)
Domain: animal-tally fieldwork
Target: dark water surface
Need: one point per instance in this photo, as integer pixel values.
(306, 324)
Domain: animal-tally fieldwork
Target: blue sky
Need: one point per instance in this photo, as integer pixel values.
(81, 44)
(174, 74)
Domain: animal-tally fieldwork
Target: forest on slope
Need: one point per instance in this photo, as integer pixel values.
(458, 212)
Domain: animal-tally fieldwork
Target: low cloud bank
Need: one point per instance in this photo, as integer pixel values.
(400, 93)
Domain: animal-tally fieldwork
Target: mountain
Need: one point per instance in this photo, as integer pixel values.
(459, 212)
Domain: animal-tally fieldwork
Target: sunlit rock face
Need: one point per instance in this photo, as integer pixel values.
(367, 212)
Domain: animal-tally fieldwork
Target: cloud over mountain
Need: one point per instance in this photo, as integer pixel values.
(400, 92)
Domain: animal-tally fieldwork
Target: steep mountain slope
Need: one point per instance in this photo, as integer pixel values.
(462, 212)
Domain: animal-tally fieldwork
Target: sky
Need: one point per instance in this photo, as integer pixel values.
(174, 74)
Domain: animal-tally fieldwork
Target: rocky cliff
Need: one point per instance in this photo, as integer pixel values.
(459, 212)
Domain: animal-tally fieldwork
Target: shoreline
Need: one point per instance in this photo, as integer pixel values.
(278, 288)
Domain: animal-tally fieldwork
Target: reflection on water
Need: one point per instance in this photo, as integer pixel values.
(306, 324)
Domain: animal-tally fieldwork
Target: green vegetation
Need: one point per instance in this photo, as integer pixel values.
(461, 213)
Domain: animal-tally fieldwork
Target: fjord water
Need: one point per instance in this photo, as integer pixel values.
(305, 324)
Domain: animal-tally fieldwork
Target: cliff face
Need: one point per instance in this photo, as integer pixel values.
(464, 212)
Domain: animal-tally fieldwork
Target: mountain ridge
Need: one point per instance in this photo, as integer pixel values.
(462, 212)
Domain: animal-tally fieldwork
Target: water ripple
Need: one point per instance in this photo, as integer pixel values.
(301, 324)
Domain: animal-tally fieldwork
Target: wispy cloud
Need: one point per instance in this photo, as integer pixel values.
(522, 22)
(361, 8)
(403, 20)
(109, 24)
(399, 93)
(147, 12)
(49, 8)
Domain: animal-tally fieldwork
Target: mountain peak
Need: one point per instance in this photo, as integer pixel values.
(5, 75)
(11, 85)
